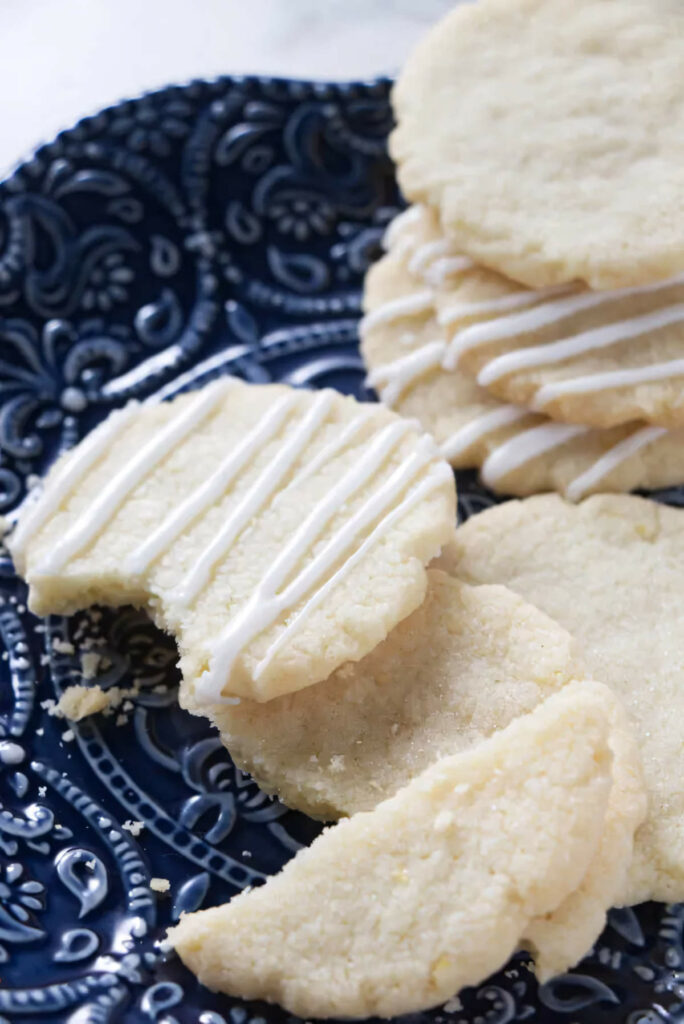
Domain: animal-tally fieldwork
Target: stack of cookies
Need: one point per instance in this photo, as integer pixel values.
(530, 307)
(491, 710)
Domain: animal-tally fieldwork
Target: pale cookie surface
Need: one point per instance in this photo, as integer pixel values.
(463, 665)
(519, 452)
(550, 134)
(398, 908)
(275, 533)
(610, 570)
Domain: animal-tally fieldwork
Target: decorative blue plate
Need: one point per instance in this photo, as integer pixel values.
(218, 227)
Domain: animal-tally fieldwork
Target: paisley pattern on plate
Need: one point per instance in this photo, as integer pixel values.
(211, 228)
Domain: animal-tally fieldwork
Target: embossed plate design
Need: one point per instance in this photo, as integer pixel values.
(216, 227)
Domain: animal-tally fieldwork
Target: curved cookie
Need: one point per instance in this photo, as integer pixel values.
(276, 533)
(519, 452)
(610, 570)
(464, 664)
(433, 889)
(560, 940)
(549, 134)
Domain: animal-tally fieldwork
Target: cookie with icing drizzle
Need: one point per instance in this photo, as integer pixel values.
(434, 888)
(549, 135)
(275, 533)
(610, 571)
(519, 452)
(600, 358)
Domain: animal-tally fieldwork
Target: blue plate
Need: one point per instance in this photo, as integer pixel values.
(217, 227)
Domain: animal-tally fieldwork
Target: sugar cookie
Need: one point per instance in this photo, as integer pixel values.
(518, 452)
(610, 570)
(550, 135)
(275, 533)
(463, 665)
(395, 909)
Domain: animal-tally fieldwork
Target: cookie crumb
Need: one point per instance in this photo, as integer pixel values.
(78, 702)
(160, 884)
(68, 735)
(134, 827)
(62, 646)
(52, 708)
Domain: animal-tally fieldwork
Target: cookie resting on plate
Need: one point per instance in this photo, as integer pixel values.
(395, 909)
(610, 570)
(275, 533)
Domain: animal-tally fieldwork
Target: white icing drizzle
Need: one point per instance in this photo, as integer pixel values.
(398, 226)
(587, 341)
(332, 448)
(256, 496)
(436, 477)
(391, 379)
(524, 447)
(539, 316)
(66, 476)
(609, 461)
(426, 253)
(440, 269)
(499, 303)
(609, 379)
(479, 427)
(91, 521)
(266, 602)
(211, 490)
(395, 309)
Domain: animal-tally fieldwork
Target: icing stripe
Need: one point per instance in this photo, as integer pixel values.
(436, 477)
(609, 379)
(437, 272)
(539, 316)
(66, 476)
(527, 446)
(405, 305)
(611, 459)
(91, 521)
(427, 252)
(332, 448)
(398, 226)
(587, 341)
(266, 604)
(500, 302)
(211, 490)
(256, 497)
(391, 379)
(478, 428)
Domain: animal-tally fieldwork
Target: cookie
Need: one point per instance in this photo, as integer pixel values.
(275, 533)
(434, 888)
(597, 358)
(610, 570)
(549, 134)
(464, 664)
(560, 940)
(518, 452)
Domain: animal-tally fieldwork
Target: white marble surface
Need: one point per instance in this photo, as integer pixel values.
(60, 59)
